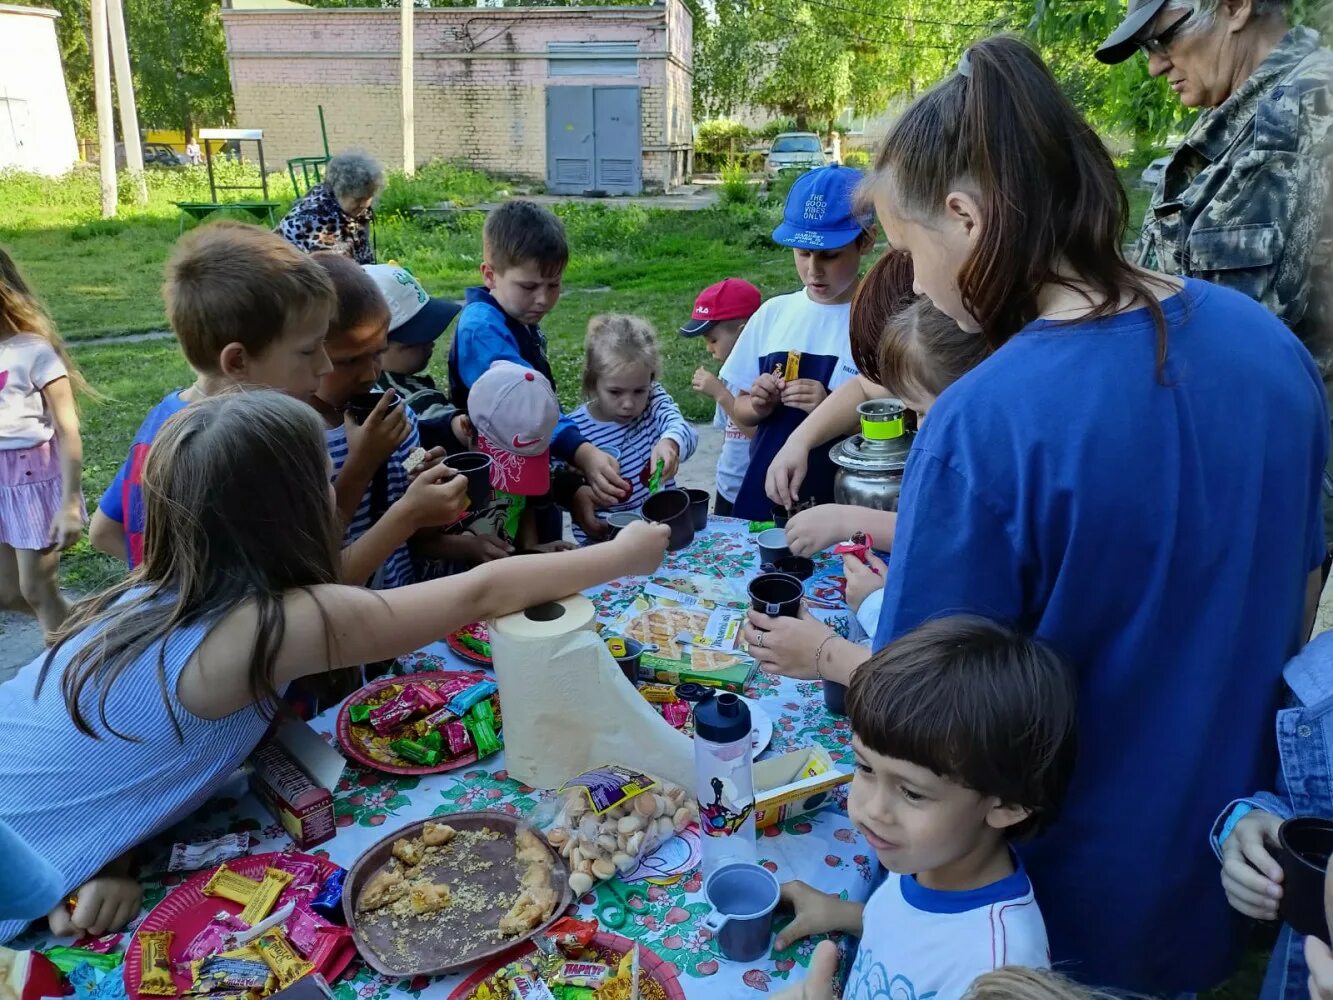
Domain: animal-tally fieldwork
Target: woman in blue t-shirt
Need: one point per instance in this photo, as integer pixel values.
(1132, 476)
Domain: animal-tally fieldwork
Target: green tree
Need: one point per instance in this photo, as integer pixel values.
(179, 57)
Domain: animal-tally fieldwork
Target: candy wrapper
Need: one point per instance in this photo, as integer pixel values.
(568, 936)
(389, 715)
(359, 714)
(480, 725)
(457, 740)
(266, 895)
(415, 752)
(207, 853)
(66, 959)
(227, 884)
(465, 699)
(328, 902)
(219, 934)
(614, 818)
(155, 964)
(279, 955)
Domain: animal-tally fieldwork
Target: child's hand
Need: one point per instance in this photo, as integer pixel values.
(707, 383)
(785, 475)
(433, 458)
(816, 913)
(816, 529)
(559, 545)
(435, 498)
(583, 511)
(818, 982)
(66, 527)
(384, 430)
(473, 549)
(603, 475)
(105, 903)
(766, 393)
(804, 394)
(1317, 954)
(667, 452)
(862, 580)
(644, 545)
(1251, 877)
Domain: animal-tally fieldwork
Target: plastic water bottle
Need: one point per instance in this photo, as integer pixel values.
(724, 781)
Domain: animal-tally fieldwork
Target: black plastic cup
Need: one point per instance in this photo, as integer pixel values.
(777, 595)
(629, 663)
(477, 468)
(672, 508)
(743, 897)
(835, 697)
(797, 566)
(773, 545)
(781, 515)
(621, 519)
(361, 404)
(699, 500)
(1306, 843)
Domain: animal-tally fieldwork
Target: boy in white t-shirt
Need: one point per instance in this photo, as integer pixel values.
(963, 732)
(720, 314)
(796, 349)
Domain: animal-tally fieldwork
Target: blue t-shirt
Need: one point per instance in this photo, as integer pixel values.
(123, 500)
(1159, 534)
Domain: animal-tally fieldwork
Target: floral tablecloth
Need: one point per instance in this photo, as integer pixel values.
(821, 848)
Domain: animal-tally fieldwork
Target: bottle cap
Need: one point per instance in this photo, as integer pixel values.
(724, 719)
(690, 691)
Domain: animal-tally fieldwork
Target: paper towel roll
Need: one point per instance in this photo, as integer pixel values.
(568, 707)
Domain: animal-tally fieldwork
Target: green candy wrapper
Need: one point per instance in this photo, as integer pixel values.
(359, 713)
(480, 724)
(67, 959)
(760, 526)
(416, 753)
(433, 740)
(573, 993)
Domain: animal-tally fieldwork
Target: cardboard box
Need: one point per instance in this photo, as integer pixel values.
(794, 784)
(295, 772)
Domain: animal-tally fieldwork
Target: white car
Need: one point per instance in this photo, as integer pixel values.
(795, 151)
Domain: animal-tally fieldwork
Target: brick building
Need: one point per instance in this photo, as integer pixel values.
(579, 98)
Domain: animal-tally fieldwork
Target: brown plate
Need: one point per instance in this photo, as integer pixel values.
(442, 944)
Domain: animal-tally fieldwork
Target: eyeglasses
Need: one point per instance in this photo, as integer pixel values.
(1158, 44)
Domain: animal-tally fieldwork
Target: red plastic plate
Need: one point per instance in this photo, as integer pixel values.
(356, 746)
(186, 911)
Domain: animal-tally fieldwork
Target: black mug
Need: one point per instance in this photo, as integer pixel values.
(477, 468)
(361, 404)
(777, 595)
(1306, 843)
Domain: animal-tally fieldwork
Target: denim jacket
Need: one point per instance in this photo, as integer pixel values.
(1304, 787)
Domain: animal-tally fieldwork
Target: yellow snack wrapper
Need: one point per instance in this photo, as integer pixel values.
(227, 884)
(266, 894)
(155, 964)
(793, 370)
(278, 953)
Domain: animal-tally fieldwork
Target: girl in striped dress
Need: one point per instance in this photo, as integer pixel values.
(158, 688)
(627, 412)
(41, 454)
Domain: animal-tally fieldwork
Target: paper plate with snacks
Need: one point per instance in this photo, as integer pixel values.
(251, 926)
(472, 643)
(574, 953)
(452, 890)
(424, 723)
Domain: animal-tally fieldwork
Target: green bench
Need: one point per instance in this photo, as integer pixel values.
(199, 210)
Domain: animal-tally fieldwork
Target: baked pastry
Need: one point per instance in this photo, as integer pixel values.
(408, 850)
(384, 888)
(437, 834)
(429, 898)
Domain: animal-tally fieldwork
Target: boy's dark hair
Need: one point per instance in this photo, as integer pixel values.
(359, 299)
(521, 231)
(233, 282)
(975, 702)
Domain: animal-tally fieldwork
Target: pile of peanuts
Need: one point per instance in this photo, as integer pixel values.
(598, 847)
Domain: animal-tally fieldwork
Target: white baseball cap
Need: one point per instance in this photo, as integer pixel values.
(414, 316)
(515, 412)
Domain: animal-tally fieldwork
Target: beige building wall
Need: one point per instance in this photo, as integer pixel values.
(36, 124)
(481, 76)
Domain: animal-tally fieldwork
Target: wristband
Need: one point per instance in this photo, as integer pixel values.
(1241, 810)
(819, 651)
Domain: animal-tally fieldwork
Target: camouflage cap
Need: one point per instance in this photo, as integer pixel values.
(1121, 43)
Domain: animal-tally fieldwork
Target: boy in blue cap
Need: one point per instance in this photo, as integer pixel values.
(796, 349)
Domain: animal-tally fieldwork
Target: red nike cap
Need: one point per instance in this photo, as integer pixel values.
(515, 412)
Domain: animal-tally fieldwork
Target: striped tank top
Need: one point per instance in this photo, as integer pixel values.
(81, 802)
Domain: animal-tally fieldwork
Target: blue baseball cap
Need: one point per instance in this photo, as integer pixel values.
(819, 213)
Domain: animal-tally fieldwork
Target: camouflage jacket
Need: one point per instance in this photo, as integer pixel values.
(1244, 201)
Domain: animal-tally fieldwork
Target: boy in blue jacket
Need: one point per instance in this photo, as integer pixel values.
(524, 254)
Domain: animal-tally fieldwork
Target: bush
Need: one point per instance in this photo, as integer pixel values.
(858, 158)
(777, 126)
(435, 182)
(736, 187)
(721, 135)
(781, 184)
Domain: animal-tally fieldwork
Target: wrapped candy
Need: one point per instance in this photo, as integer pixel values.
(155, 964)
(328, 902)
(587, 974)
(230, 885)
(266, 895)
(303, 929)
(389, 715)
(359, 713)
(464, 700)
(480, 724)
(458, 741)
(569, 936)
(415, 752)
(279, 955)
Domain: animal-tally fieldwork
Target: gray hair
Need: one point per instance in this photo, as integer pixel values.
(1205, 12)
(353, 175)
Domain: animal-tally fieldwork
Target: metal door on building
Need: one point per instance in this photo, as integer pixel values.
(593, 140)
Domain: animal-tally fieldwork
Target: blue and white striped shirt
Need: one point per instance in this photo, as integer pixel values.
(81, 802)
(635, 442)
(397, 569)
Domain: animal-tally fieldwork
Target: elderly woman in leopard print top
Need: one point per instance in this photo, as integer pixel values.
(336, 214)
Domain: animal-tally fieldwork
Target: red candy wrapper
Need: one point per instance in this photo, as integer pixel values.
(387, 717)
(677, 713)
(303, 871)
(303, 929)
(571, 936)
(218, 935)
(450, 688)
(426, 698)
(457, 740)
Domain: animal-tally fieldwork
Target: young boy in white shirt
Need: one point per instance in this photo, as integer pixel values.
(963, 733)
(796, 349)
(720, 314)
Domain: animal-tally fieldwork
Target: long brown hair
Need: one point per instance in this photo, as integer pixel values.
(886, 289)
(22, 312)
(237, 511)
(1053, 209)
(925, 351)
